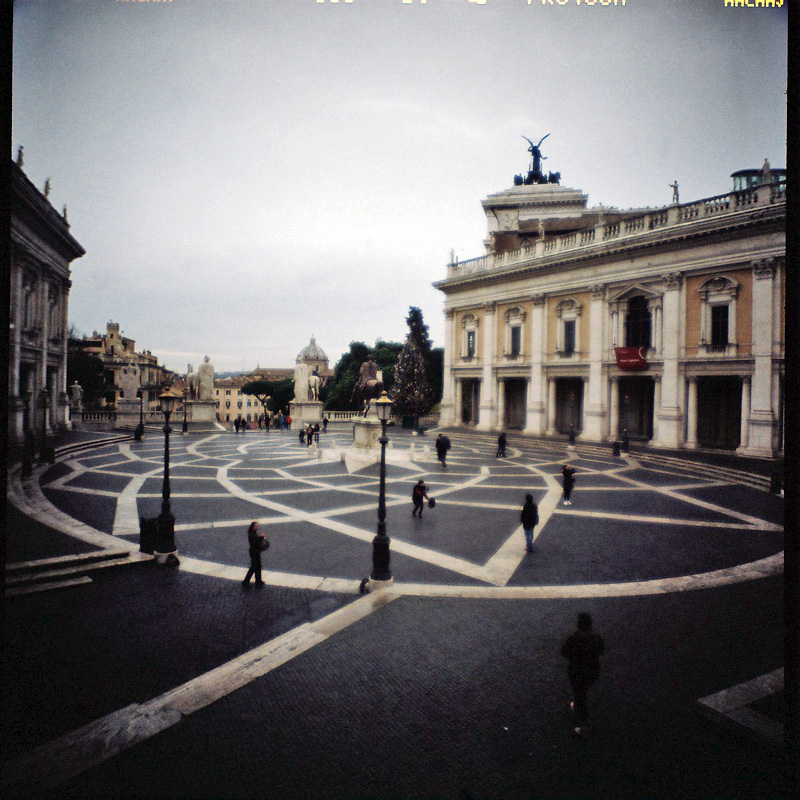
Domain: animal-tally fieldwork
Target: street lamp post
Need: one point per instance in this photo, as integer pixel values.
(166, 521)
(44, 398)
(185, 428)
(381, 575)
(138, 434)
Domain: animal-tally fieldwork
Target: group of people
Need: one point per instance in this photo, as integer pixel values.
(310, 433)
(266, 421)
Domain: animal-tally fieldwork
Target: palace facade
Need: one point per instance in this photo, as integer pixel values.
(42, 250)
(664, 325)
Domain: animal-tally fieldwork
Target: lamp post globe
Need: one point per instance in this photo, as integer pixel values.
(381, 574)
(166, 521)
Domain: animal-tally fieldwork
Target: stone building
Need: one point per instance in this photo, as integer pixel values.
(313, 355)
(126, 371)
(665, 325)
(42, 250)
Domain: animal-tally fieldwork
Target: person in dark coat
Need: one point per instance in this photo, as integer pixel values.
(501, 445)
(442, 446)
(302, 435)
(316, 431)
(582, 649)
(529, 519)
(569, 482)
(254, 540)
(418, 496)
(324, 424)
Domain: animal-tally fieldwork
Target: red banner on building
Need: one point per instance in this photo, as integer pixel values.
(631, 359)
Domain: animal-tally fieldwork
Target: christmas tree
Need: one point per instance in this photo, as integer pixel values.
(412, 396)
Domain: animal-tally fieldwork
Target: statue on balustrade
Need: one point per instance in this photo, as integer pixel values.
(76, 396)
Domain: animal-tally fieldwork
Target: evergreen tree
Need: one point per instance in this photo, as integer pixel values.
(412, 391)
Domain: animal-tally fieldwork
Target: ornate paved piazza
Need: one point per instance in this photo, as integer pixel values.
(162, 682)
(636, 526)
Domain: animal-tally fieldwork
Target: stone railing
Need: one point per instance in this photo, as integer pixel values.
(640, 225)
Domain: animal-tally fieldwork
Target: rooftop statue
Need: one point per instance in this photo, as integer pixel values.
(535, 174)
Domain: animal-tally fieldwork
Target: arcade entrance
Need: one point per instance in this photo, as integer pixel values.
(569, 404)
(470, 401)
(515, 403)
(719, 411)
(636, 407)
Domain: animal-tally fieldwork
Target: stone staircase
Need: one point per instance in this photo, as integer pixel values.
(61, 572)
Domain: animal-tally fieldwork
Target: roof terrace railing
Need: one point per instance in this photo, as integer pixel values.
(640, 225)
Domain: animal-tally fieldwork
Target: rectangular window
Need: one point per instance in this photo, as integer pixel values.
(516, 340)
(569, 337)
(470, 344)
(719, 326)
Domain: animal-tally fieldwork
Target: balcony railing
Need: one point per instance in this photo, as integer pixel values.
(631, 227)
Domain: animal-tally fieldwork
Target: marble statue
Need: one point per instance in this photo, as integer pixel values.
(192, 382)
(675, 197)
(301, 383)
(314, 385)
(205, 386)
(76, 395)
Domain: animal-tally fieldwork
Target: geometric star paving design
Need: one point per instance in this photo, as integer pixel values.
(638, 524)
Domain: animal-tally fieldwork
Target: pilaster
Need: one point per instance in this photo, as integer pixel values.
(594, 408)
(534, 418)
(670, 428)
(488, 403)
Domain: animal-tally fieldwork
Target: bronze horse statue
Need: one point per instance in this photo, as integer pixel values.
(364, 392)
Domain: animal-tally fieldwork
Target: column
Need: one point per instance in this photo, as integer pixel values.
(594, 395)
(762, 416)
(656, 404)
(458, 404)
(744, 436)
(691, 413)
(585, 390)
(551, 407)
(449, 413)
(670, 433)
(501, 405)
(614, 411)
(488, 388)
(535, 422)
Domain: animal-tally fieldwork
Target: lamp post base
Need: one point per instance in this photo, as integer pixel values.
(373, 585)
(170, 559)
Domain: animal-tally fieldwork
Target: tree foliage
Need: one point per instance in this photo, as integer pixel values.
(277, 393)
(89, 371)
(345, 374)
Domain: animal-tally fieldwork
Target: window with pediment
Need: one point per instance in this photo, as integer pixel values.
(515, 322)
(718, 296)
(568, 313)
(469, 339)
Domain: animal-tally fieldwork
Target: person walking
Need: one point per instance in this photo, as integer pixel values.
(257, 542)
(236, 424)
(309, 435)
(419, 494)
(582, 649)
(529, 519)
(568, 473)
(501, 445)
(302, 435)
(442, 446)
(324, 424)
(316, 432)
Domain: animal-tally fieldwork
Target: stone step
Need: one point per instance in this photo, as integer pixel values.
(46, 587)
(74, 570)
(44, 564)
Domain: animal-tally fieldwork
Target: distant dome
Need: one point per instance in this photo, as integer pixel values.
(312, 352)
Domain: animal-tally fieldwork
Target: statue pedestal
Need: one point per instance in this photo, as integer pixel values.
(127, 414)
(367, 433)
(201, 411)
(305, 412)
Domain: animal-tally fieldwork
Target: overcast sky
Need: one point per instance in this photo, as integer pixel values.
(246, 173)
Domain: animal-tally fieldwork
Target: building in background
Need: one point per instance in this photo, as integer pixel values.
(664, 325)
(125, 368)
(42, 250)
